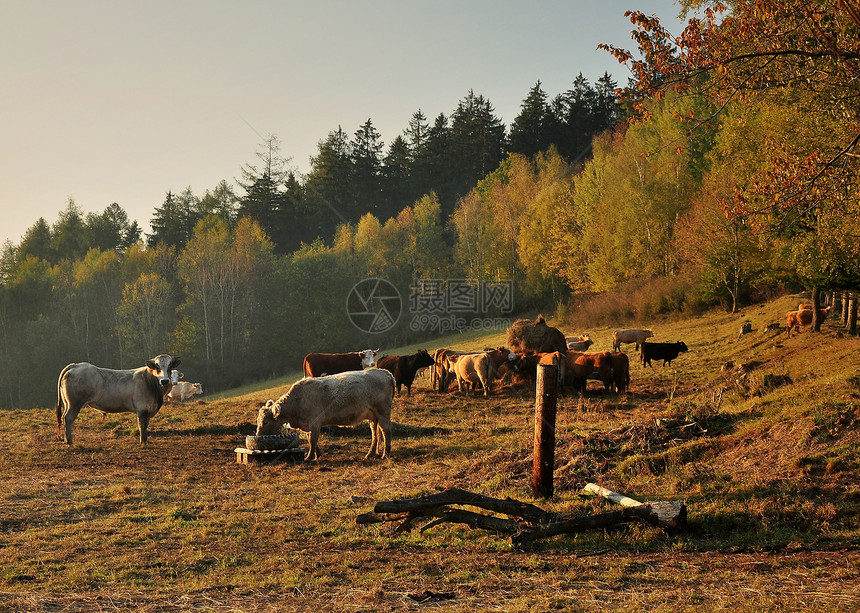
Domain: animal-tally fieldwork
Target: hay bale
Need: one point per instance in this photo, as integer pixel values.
(536, 336)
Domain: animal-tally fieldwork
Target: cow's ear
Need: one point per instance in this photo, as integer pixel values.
(176, 362)
(377, 351)
(151, 365)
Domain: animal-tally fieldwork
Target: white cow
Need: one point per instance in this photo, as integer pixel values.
(139, 391)
(343, 399)
(184, 390)
(629, 335)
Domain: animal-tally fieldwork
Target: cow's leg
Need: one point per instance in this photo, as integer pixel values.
(70, 414)
(142, 425)
(383, 427)
(313, 452)
(374, 438)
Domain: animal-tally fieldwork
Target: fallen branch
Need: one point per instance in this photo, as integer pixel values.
(670, 515)
(585, 522)
(530, 523)
(462, 497)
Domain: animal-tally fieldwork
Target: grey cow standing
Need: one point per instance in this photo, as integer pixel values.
(140, 391)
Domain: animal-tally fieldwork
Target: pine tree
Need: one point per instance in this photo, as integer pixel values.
(477, 142)
(327, 185)
(367, 169)
(264, 187)
(532, 130)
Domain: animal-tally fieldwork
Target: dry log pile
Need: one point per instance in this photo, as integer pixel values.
(524, 521)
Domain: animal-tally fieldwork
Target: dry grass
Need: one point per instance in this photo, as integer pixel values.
(769, 473)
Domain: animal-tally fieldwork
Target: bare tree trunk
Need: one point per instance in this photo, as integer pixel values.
(816, 309)
(852, 315)
(846, 298)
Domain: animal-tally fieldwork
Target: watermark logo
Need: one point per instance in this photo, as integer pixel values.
(374, 305)
(455, 305)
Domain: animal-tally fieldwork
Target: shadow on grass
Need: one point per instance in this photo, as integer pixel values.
(397, 430)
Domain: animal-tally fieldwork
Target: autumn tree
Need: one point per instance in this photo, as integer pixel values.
(763, 53)
(146, 316)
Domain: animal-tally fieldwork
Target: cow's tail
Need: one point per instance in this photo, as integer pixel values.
(59, 409)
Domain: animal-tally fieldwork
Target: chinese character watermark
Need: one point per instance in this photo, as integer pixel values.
(444, 304)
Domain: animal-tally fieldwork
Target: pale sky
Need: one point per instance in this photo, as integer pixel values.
(122, 100)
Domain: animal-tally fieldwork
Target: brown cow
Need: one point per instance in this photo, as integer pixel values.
(471, 369)
(584, 366)
(557, 359)
(620, 371)
(440, 375)
(803, 317)
(319, 364)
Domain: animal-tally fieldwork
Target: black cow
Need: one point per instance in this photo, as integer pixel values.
(661, 351)
(405, 367)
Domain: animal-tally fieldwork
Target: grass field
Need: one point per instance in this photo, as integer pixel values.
(770, 473)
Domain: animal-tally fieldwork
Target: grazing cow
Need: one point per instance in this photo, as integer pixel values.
(500, 357)
(579, 343)
(139, 391)
(319, 364)
(526, 364)
(184, 390)
(661, 351)
(471, 369)
(802, 317)
(525, 336)
(629, 335)
(583, 366)
(405, 367)
(620, 371)
(557, 359)
(440, 376)
(343, 399)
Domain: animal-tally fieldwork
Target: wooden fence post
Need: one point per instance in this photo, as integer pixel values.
(544, 445)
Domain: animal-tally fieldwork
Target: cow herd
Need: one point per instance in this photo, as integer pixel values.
(345, 389)
(348, 388)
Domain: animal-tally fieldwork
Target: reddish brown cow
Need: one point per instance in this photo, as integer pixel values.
(558, 359)
(583, 366)
(620, 371)
(803, 317)
(319, 364)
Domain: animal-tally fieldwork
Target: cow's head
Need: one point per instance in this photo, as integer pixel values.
(161, 367)
(368, 357)
(267, 423)
(175, 376)
(424, 359)
(648, 333)
(198, 388)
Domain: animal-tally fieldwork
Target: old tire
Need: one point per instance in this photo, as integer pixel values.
(268, 442)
